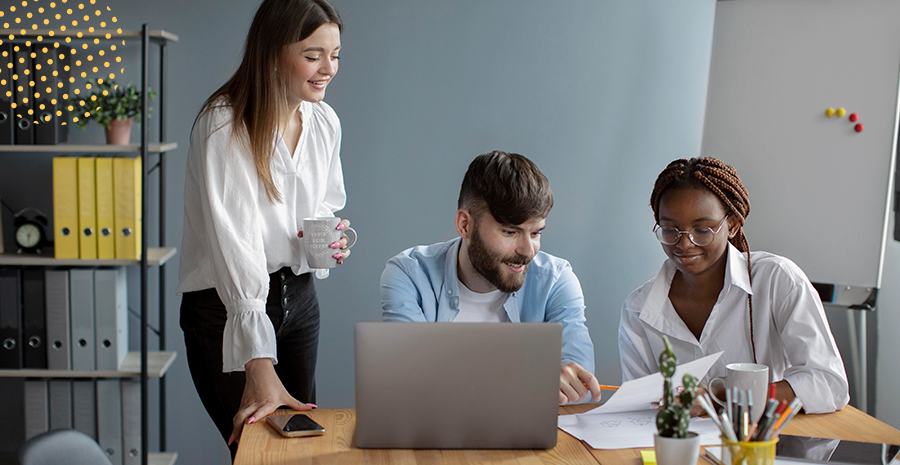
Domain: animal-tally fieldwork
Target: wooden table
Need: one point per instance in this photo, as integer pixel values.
(849, 423)
(260, 444)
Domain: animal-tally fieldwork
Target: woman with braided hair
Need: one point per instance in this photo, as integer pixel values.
(712, 294)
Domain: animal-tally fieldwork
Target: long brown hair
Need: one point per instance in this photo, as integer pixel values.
(723, 181)
(256, 93)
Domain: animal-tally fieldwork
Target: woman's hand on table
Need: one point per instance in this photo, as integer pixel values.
(263, 393)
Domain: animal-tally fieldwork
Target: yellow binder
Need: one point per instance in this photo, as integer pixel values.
(127, 211)
(87, 208)
(106, 240)
(65, 207)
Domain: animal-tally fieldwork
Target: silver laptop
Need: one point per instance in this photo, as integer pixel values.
(457, 385)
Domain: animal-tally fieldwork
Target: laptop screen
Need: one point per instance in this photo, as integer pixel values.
(457, 385)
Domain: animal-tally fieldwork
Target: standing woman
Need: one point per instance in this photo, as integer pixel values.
(713, 294)
(264, 155)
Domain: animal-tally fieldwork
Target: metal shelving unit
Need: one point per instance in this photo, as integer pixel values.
(158, 362)
(143, 363)
(157, 256)
(89, 148)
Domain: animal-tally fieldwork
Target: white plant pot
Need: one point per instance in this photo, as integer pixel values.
(677, 451)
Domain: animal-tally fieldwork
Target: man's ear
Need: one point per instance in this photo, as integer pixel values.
(464, 223)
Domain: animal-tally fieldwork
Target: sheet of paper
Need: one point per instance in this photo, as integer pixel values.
(626, 419)
(625, 430)
(637, 394)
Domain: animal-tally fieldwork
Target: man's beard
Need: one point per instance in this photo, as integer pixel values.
(489, 264)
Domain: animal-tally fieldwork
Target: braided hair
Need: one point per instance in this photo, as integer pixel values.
(723, 181)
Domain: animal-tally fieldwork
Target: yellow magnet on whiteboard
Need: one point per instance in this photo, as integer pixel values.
(840, 112)
(829, 112)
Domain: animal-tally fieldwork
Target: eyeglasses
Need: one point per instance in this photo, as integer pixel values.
(700, 236)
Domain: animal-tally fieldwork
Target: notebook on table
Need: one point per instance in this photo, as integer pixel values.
(457, 385)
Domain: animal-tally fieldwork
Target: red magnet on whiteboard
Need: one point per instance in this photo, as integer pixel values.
(858, 127)
(853, 117)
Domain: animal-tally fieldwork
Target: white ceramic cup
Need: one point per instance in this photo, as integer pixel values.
(752, 377)
(318, 235)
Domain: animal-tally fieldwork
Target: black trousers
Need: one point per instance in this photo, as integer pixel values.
(294, 311)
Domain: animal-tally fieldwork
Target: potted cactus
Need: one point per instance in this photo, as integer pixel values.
(674, 444)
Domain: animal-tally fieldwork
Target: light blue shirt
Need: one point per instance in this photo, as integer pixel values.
(420, 285)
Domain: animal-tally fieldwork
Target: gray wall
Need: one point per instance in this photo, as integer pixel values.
(600, 94)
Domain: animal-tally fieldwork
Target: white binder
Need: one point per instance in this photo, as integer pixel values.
(110, 317)
(56, 291)
(37, 408)
(84, 407)
(131, 421)
(81, 302)
(60, 404)
(109, 419)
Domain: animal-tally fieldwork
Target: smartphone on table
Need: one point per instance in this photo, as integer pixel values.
(292, 426)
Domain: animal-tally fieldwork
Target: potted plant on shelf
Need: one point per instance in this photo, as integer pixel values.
(113, 106)
(674, 444)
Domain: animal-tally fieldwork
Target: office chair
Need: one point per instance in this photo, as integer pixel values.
(62, 446)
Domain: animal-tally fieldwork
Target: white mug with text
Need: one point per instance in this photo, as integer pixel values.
(318, 235)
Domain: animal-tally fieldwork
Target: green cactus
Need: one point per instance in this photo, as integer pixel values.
(673, 417)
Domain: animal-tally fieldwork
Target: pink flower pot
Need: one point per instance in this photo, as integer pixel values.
(119, 131)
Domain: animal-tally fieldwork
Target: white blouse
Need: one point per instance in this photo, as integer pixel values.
(234, 237)
(790, 329)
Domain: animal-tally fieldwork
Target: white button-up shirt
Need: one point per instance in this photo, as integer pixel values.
(791, 331)
(234, 237)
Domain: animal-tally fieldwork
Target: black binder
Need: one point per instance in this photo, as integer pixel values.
(10, 319)
(34, 319)
(6, 97)
(23, 94)
(49, 116)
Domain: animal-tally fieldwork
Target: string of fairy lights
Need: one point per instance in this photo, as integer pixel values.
(96, 58)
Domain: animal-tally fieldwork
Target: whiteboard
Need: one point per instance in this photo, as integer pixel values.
(819, 190)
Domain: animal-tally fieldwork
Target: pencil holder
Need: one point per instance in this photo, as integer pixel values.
(749, 453)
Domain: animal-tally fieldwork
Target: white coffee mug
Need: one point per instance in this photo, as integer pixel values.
(752, 377)
(318, 235)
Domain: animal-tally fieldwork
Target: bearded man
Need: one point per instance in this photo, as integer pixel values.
(495, 271)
